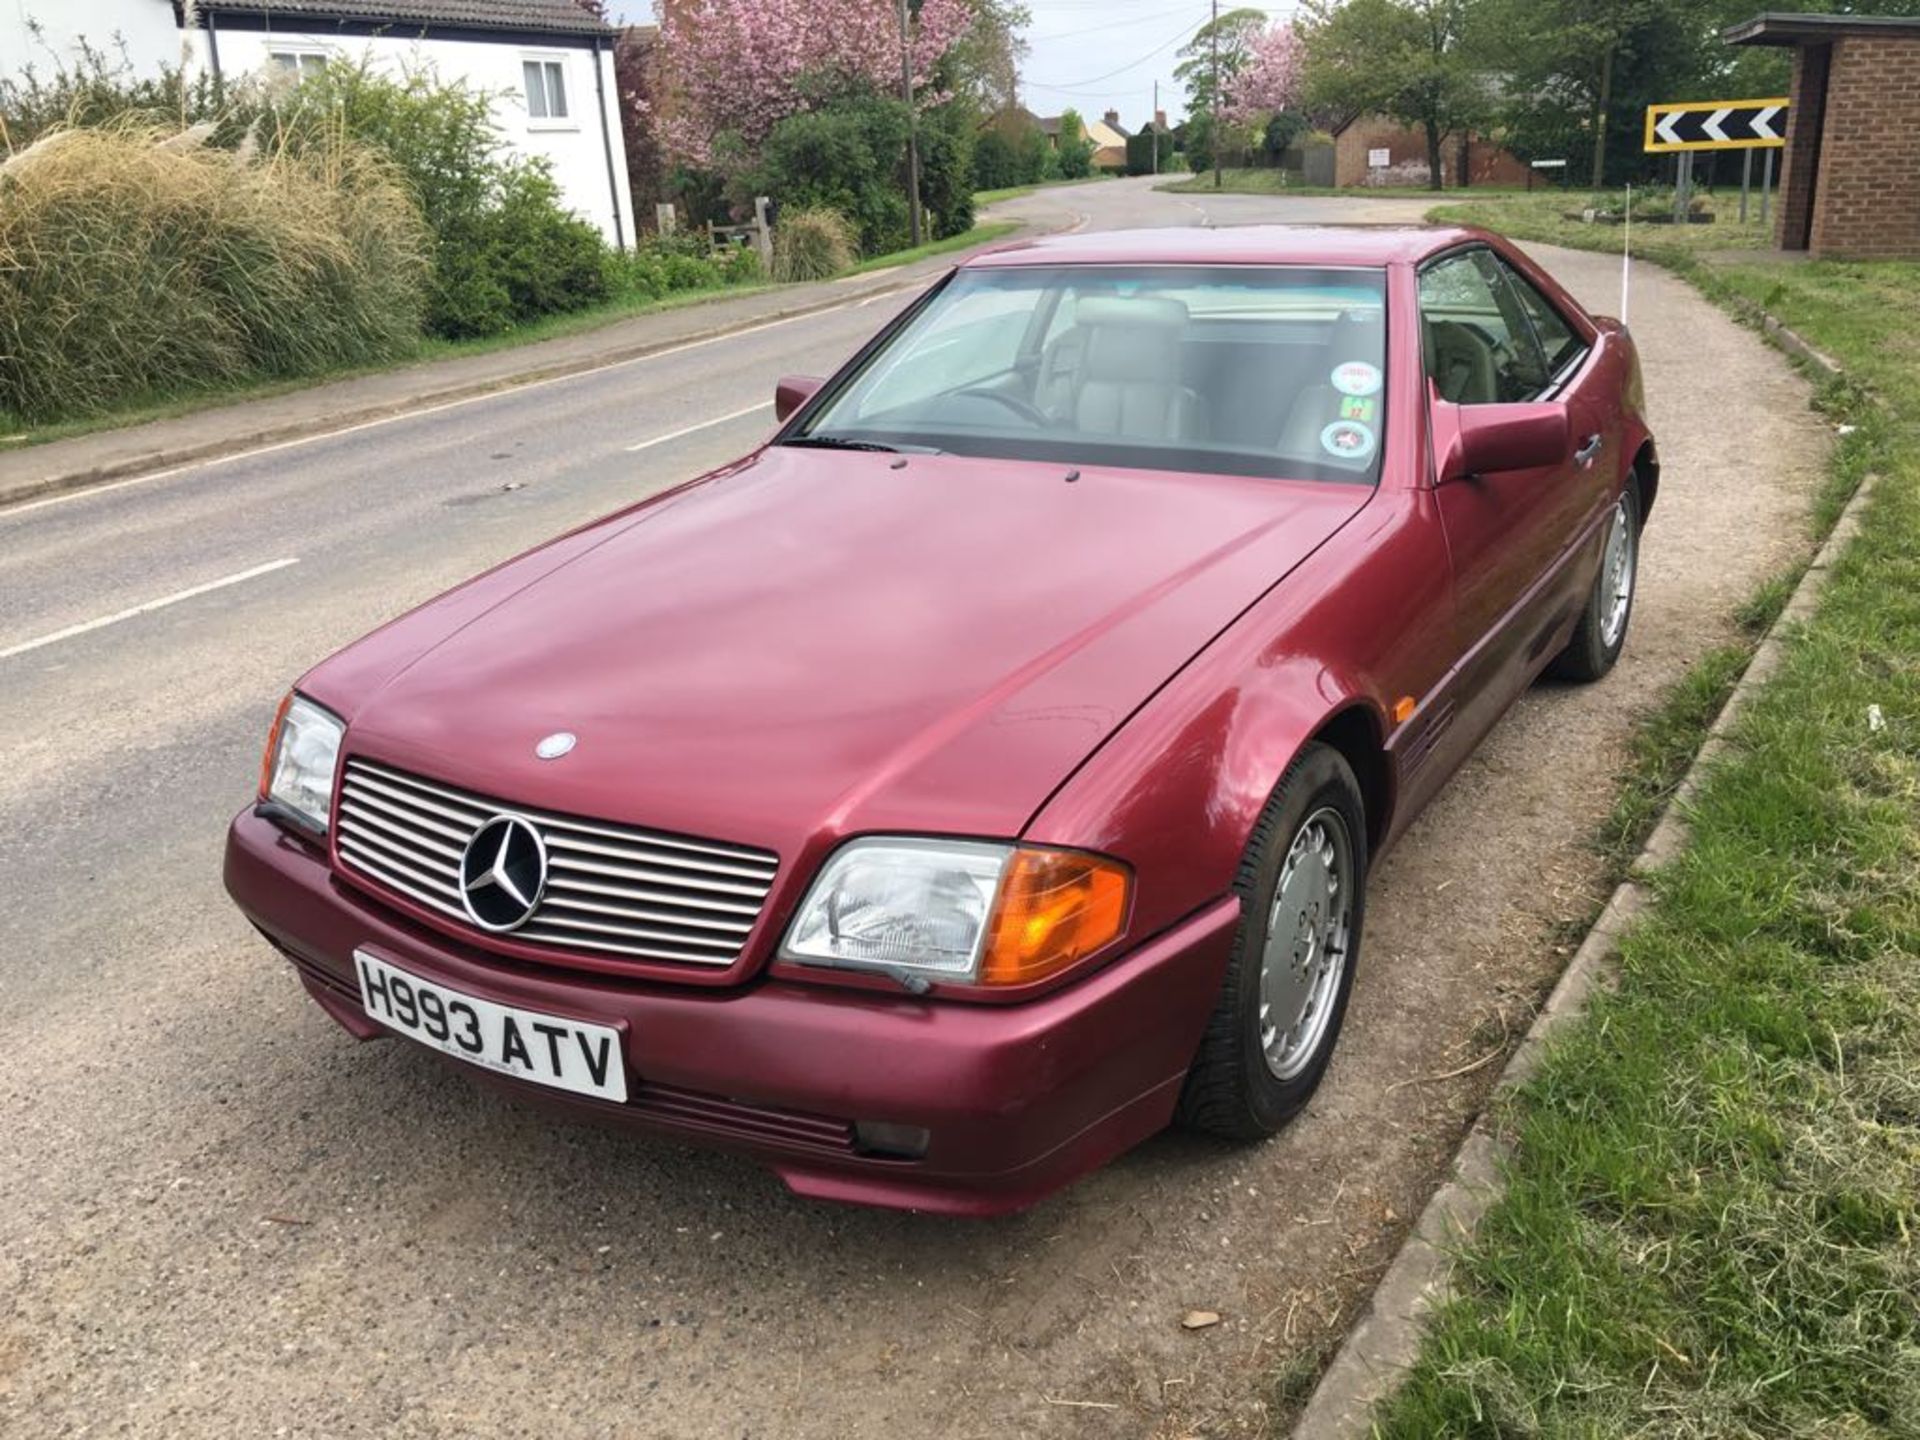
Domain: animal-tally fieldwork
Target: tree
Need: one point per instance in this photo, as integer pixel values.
(1074, 150)
(1235, 32)
(1406, 59)
(982, 69)
(1268, 81)
(740, 67)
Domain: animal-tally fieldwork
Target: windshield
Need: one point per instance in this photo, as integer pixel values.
(1270, 371)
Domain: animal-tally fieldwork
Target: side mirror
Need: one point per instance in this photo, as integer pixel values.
(792, 392)
(1488, 439)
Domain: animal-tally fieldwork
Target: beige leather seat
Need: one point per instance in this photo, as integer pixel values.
(1117, 371)
(1354, 335)
(1460, 359)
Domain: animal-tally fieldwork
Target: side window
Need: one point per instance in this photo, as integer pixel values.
(1479, 348)
(1560, 345)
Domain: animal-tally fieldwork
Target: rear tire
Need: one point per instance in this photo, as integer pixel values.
(1302, 888)
(1601, 632)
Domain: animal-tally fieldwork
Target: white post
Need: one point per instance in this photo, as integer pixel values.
(1626, 255)
(762, 234)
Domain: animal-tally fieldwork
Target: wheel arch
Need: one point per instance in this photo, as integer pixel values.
(1644, 475)
(1354, 731)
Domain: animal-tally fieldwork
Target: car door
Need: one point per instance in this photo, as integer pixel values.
(1509, 533)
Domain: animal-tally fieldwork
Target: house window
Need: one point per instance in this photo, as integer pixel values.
(300, 64)
(546, 89)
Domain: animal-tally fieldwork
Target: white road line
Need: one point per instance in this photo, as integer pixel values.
(10, 511)
(174, 599)
(703, 425)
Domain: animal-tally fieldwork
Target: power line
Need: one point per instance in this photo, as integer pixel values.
(1186, 9)
(1130, 65)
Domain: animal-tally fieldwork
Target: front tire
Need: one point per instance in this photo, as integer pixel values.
(1602, 631)
(1302, 888)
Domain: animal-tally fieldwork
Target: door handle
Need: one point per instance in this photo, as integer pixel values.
(1586, 453)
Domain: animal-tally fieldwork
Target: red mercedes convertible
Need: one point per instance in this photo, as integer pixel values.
(985, 772)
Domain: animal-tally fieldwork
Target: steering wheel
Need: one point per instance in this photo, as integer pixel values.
(1025, 409)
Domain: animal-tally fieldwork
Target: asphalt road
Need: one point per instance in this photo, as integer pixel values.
(221, 1216)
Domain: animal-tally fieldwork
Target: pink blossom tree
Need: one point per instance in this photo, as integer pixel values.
(745, 65)
(1269, 81)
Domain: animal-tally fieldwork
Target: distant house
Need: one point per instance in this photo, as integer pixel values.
(549, 62)
(1109, 141)
(1373, 150)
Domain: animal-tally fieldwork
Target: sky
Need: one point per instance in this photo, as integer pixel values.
(1092, 55)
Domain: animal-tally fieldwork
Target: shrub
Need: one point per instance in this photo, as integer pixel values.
(134, 260)
(504, 251)
(947, 170)
(814, 244)
(996, 164)
(849, 157)
(1074, 154)
(1140, 151)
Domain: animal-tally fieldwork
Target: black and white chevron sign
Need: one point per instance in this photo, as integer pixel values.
(1716, 125)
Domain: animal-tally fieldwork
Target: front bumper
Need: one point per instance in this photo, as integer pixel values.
(1018, 1100)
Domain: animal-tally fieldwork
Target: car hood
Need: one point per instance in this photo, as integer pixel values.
(815, 643)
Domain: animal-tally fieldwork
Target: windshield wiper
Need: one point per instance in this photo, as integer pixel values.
(838, 442)
(847, 442)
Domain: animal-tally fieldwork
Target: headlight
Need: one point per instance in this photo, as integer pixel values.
(958, 910)
(302, 747)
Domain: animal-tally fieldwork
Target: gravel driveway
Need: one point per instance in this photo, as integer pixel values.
(222, 1217)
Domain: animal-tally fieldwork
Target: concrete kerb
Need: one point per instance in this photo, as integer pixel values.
(1385, 1340)
(829, 295)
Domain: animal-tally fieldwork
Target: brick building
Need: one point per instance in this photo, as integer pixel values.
(1482, 161)
(1850, 182)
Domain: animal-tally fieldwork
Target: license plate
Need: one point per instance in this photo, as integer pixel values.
(546, 1049)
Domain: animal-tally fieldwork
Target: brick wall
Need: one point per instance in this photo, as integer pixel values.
(1488, 163)
(1866, 203)
(1800, 158)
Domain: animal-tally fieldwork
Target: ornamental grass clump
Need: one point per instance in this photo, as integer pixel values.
(137, 260)
(814, 244)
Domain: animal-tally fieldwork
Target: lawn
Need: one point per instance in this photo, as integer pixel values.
(1712, 1211)
(1263, 180)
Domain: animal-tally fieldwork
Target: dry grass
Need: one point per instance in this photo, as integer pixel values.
(136, 260)
(813, 245)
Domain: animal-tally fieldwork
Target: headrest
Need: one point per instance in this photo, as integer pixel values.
(1132, 338)
(1357, 335)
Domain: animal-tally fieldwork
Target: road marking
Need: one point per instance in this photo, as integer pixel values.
(174, 599)
(703, 425)
(8, 512)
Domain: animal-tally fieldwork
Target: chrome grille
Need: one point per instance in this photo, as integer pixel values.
(610, 888)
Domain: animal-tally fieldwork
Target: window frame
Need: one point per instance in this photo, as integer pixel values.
(308, 60)
(549, 63)
(1557, 380)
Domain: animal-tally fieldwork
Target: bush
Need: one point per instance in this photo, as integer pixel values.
(849, 157)
(1074, 152)
(1140, 152)
(134, 261)
(996, 164)
(504, 252)
(947, 171)
(814, 244)
(518, 259)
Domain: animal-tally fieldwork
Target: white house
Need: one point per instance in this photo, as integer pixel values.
(548, 62)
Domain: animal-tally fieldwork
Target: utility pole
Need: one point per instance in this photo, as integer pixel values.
(913, 128)
(1153, 125)
(1215, 126)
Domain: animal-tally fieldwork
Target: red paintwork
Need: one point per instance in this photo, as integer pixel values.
(813, 644)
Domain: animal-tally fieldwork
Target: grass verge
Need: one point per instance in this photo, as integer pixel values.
(1015, 192)
(978, 235)
(1264, 181)
(1709, 1226)
(140, 409)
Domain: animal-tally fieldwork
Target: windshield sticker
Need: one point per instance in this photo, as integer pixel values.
(1355, 407)
(1346, 440)
(1356, 377)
